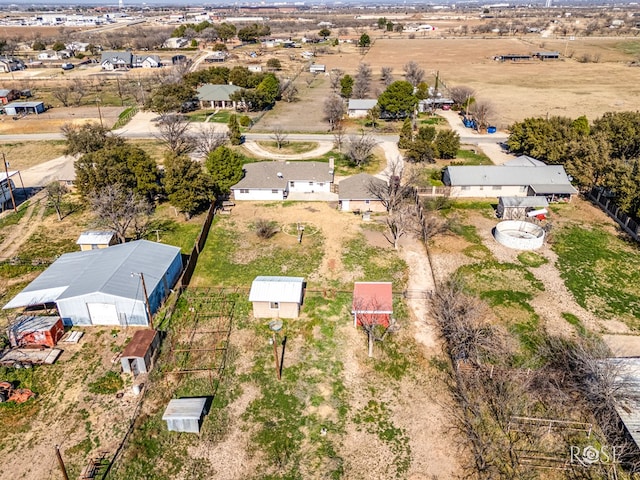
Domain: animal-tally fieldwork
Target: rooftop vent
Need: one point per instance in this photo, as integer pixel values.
(279, 174)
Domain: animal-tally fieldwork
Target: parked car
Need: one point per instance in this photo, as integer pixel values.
(67, 66)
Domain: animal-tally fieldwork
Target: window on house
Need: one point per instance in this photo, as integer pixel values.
(293, 184)
(367, 202)
(274, 305)
(275, 190)
(321, 184)
(94, 246)
(466, 187)
(244, 190)
(311, 184)
(496, 187)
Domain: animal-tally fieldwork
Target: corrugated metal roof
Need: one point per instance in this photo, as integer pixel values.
(358, 187)
(265, 174)
(23, 104)
(95, 237)
(140, 343)
(106, 270)
(524, 201)
(276, 289)
(503, 175)
(627, 371)
(185, 408)
(361, 104)
(372, 297)
(3, 175)
(210, 92)
(33, 323)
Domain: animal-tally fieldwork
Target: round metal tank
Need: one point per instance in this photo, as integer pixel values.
(519, 235)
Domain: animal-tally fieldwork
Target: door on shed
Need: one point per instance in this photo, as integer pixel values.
(103, 314)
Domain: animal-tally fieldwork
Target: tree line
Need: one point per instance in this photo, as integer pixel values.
(122, 184)
(605, 153)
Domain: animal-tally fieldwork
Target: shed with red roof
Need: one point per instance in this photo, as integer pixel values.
(372, 303)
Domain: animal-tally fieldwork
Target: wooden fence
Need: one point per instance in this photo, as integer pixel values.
(627, 223)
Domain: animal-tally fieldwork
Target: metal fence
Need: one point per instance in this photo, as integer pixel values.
(626, 222)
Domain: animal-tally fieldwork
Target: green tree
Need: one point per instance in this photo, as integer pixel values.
(427, 133)
(398, 100)
(235, 136)
(589, 162)
(170, 97)
(241, 77)
(125, 165)
(446, 144)
(188, 186)
(389, 26)
(581, 126)
(324, 33)
(251, 33)
(274, 64)
(38, 45)
(225, 31)
(422, 91)
(58, 45)
(546, 140)
(406, 134)
(622, 130)
(346, 86)
(420, 151)
(365, 41)
(382, 23)
(88, 137)
(269, 89)
(225, 168)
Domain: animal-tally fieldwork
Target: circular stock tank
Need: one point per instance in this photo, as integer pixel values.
(519, 235)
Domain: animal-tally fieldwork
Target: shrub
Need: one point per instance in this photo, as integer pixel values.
(266, 228)
(245, 121)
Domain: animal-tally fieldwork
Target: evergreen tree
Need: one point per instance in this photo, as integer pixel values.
(406, 134)
(446, 144)
(225, 168)
(235, 136)
(187, 185)
(346, 86)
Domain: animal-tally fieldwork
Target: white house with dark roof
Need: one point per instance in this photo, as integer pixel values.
(359, 107)
(116, 60)
(217, 96)
(282, 180)
(523, 177)
(358, 193)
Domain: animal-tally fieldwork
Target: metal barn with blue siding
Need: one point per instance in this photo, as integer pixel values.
(104, 287)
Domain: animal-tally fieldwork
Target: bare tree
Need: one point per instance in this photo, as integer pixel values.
(289, 92)
(338, 136)
(55, 194)
(279, 136)
(413, 73)
(483, 112)
(335, 75)
(78, 91)
(401, 221)
(310, 79)
(397, 187)
(359, 149)
(174, 133)
(362, 83)
(462, 95)
(386, 75)
(377, 326)
(62, 94)
(206, 139)
(334, 110)
(121, 209)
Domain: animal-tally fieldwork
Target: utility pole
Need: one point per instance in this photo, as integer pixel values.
(6, 169)
(146, 297)
(61, 463)
(275, 355)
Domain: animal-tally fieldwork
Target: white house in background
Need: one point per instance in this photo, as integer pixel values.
(317, 68)
(176, 42)
(150, 61)
(355, 193)
(94, 239)
(522, 177)
(277, 180)
(276, 297)
(358, 108)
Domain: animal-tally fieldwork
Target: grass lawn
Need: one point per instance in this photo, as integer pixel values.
(601, 271)
(289, 148)
(22, 155)
(471, 157)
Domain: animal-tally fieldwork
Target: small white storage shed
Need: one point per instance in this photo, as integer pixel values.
(276, 297)
(185, 414)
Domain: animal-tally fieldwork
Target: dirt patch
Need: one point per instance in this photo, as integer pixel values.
(53, 119)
